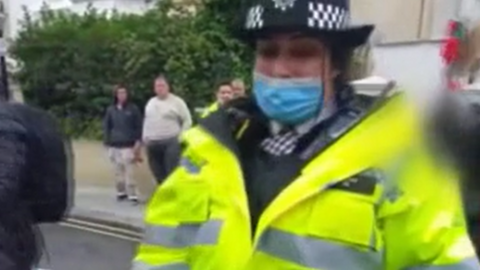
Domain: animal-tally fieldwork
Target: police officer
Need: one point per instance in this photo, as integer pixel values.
(223, 95)
(301, 177)
(238, 87)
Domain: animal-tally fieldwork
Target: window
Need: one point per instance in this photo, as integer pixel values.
(395, 20)
(469, 12)
(438, 12)
(436, 15)
(411, 20)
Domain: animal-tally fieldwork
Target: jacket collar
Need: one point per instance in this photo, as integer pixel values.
(243, 115)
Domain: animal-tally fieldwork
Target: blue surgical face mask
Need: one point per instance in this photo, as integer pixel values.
(288, 101)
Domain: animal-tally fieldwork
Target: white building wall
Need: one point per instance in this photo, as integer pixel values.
(414, 65)
(416, 68)
(418, 65)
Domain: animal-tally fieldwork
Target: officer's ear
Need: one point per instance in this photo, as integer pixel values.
(335, 74)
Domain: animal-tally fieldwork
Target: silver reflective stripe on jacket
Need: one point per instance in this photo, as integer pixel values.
(183, 235)
(467, 264)
(315, 253)
(174, 266)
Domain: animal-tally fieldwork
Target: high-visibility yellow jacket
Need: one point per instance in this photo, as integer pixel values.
(410, 218)
(213, 107)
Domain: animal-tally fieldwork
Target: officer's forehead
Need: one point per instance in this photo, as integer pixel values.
(288, 38)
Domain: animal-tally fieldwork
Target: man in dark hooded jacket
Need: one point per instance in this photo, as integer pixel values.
(33, 182)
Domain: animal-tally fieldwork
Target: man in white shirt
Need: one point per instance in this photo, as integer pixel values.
(166, 116)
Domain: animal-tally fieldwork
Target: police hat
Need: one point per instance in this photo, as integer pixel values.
(329, 19)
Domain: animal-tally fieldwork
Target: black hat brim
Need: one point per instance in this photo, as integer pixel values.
(351, 37)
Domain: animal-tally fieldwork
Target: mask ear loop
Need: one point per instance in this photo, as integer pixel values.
(326, 78)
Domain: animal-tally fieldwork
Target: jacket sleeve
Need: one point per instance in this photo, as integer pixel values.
(13, 151)
(163, 245)
(107, 125)
(424, 226)
(178, 205)
(186, 117)
(138, 124)
(213, 107)
(12, 164)
(146, 120)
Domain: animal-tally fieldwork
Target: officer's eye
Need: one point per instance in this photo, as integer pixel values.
(302, 52)
(305, 49)
(268, 50)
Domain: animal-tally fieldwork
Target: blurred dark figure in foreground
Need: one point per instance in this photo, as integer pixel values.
(457, 127)
(34, 186)
(457, 116)
(34, 180)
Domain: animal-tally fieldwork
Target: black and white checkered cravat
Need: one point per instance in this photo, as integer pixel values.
(284, 142)
(281, 144)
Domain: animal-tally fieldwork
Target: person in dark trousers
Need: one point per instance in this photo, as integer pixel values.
(166, 117)
(123, 130)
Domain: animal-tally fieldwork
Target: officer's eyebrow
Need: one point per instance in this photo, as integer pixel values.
(298, 35)
(289, 35)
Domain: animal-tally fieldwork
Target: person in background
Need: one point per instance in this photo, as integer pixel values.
(238, 87)
(122, 134)
(166, 116)
(224, 94)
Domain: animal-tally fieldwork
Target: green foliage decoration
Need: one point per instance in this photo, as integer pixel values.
(70, 62)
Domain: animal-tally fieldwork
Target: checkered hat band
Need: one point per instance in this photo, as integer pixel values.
(322, 16)
(327, 16)
(255, 17)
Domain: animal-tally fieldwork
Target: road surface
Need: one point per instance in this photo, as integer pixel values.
(74, 249)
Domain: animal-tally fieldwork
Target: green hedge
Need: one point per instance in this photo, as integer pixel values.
(70, 62)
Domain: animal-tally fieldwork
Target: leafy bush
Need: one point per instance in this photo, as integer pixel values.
(70, 62)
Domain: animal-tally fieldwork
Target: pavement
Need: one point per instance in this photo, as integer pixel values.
(69, 248)
(95, 200)
(99, 205)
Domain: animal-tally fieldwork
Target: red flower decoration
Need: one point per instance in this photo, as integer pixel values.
(454, 85)
(449, 51)
(452, 27)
